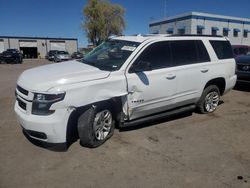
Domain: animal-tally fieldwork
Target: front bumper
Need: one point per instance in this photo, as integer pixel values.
(9, 59)
(50, 129)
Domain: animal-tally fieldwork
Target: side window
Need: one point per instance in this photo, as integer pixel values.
(222, 49)
(202, 52)
(157, 56)
(184, 52)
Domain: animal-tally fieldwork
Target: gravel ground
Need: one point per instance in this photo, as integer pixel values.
(189, 151)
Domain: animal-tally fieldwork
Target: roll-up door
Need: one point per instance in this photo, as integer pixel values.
(57, 45)
(28, 43)
(1, 46)
(28, 48)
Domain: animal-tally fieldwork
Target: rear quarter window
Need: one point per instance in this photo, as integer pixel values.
(223, 49)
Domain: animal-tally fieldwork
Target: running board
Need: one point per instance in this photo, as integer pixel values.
(159, 116)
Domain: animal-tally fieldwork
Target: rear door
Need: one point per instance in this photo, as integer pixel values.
(191, 61)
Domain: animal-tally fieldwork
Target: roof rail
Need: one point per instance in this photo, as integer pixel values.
(194, 35)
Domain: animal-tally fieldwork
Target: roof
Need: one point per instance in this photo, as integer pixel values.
(200, 15)
(141, 38)
(37, 38)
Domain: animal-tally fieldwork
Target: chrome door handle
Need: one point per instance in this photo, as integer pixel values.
(171, 76)
(204, 70)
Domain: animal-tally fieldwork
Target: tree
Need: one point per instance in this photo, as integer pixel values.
(102, 19)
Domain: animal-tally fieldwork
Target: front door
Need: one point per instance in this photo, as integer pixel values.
(151, 81)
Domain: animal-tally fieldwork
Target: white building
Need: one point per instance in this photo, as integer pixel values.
(32, 47)
(235, 28)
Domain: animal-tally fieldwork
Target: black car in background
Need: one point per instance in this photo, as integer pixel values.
(77, 55)
(51, 55)
(243, 68)
(11, 56)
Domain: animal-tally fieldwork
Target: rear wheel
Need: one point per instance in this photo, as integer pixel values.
(95, 126)
(209, 100)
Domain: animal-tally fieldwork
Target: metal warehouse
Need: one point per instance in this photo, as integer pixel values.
(33, 47)
(235, 28)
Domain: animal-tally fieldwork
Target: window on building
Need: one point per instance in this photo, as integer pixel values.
(155, 32)
(226, 32)
(222, 49)
(200, 29)
(236, 32)
(170, 31)
(181, 31)
(214, 30)
(245, 33)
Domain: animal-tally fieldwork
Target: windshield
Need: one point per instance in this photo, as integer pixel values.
(110, 55)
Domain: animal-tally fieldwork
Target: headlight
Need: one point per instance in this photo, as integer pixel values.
(42, 103)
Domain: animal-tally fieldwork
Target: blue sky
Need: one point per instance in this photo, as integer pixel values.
(62, 18)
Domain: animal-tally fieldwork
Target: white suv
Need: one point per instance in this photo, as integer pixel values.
(127, 79)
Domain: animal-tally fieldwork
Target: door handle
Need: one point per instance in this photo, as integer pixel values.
(204, 70)
(171, 76)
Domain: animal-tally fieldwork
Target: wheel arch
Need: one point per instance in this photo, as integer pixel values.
(114, 103)
(219, 82)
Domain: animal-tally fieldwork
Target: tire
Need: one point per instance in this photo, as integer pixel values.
(16, 61)
(209, 100)
(91, 126)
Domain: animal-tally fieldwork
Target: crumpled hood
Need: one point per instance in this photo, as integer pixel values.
(48, 76)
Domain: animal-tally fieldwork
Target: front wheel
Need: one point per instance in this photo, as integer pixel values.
(209, 100)
(95, 126)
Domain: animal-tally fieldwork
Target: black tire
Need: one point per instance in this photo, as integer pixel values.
(16, 61)
(86, 127)
(201, 105)
(20, 61)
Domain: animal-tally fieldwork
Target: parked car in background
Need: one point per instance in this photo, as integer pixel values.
(77, 55)
(12, 56)
(62, 56)
(240, 50)
(243, 68)
(51, 54)
(1, 58)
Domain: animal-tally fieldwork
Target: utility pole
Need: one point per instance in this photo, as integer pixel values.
(165, 9)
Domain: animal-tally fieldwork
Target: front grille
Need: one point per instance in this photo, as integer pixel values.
(21, 104)
(23, 91)
(243, 67)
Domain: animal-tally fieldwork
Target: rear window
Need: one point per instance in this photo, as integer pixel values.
(222, 49)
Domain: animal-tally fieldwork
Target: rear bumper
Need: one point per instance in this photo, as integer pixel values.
(230, 83)
(9, 59)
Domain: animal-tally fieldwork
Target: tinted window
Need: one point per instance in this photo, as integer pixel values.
(222, 49)
(184, 52)
(202, 52)
(158, 55)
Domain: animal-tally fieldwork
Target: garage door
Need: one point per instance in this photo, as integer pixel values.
(28, 43)
(1, 46)
(57, 45)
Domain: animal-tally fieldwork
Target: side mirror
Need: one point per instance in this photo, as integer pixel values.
(141, 66)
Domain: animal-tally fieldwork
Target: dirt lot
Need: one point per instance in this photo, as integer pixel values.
(191, 151)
